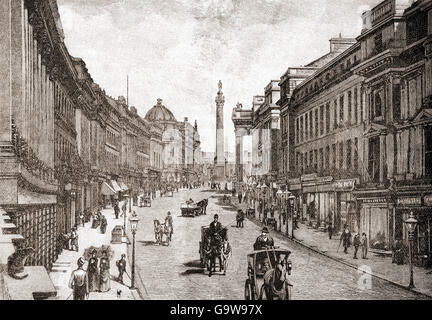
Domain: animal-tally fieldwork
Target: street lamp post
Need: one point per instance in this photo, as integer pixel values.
(134, 226)
(411, 224)
(279, 195)
(124, 218)
(291, 199)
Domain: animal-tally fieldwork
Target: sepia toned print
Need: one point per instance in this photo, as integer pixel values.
(124, 177)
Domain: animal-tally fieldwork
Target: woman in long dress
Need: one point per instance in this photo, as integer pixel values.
(104, 268)
(93, 273)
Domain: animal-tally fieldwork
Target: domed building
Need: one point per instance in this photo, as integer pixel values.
(160, 113)
(181, 145)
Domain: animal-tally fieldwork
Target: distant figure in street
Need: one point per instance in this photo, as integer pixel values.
(240, 196)
(364, 244)
(93, 272)
(79, 282)
(121, 266)
(116, 210)
(104, 267)
(169, 221)
(240, 218)
(356, 243)
(345, 238)
(82, 219)
(264, 241)
(96, 221)
(74, 240)
(104, 224)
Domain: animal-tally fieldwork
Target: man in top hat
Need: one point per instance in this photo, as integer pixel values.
(264, 241)
(79, 282)
(121, 266)
(215, 226)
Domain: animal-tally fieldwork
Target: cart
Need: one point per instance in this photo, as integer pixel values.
(261, 269)
(145, 201)
(190, 210)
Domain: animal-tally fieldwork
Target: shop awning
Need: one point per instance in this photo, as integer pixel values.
(123, 186)
(115, 186)
(107, 190)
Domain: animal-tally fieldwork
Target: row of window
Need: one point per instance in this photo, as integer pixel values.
(63, 105)
(63, 147)
(344, 111)
(342, 155)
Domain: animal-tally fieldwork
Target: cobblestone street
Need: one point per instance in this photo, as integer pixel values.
(173, 272)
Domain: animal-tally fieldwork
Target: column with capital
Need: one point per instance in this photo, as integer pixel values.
(220, 154)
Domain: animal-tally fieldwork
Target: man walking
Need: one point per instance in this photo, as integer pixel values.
(357, 243)
(240, 196)
(121, 266)
(116, 210)
(345, 238)
(330, 227)
(79, 282)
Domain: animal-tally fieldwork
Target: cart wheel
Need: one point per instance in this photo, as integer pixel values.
(248, 291)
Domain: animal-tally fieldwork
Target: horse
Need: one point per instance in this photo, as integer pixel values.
(276, 284)
(215, 245)
(226, 253)
(158, 230)
(203, 206)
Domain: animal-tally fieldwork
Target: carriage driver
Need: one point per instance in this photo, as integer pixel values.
(215, 226)
(169, 221)
(264, 241)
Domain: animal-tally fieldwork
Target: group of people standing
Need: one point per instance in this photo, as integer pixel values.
(97, 276)
(347, 239)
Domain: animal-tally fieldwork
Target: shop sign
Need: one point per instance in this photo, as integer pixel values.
(409, 201)
(344, 184)
(374, 200)
(428, 200)
(295, 187)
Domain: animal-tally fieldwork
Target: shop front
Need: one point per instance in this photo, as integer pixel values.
(344, 209)
(421, 207)
(376, 217)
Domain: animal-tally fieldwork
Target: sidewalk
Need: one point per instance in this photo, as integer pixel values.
(381, 267)
(67, 261)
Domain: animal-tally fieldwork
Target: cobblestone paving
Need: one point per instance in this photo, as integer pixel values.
(173, 272)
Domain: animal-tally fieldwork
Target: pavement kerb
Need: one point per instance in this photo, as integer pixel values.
(259, 223)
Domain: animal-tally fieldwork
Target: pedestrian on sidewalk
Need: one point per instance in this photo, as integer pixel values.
(104, 224)
(364, 244)
(345, 239)
(240, 196)
(104, 268)
(121, 266)
(74, 240)
(79, 282)
(82, 219)
(93, 272)
(116, 210)
(357, 244)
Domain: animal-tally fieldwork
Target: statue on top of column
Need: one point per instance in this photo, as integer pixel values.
(220, 99)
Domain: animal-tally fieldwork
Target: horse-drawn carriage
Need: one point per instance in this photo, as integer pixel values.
(144, 200)
(268, 272)
(170, 192)
(194, 209)
(214, 248)
(161, 230)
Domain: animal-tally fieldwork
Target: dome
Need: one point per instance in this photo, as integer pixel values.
(160, 113)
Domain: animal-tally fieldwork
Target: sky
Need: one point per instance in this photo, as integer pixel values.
(178, 50)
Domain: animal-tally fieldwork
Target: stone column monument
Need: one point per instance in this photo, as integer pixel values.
(219, 161)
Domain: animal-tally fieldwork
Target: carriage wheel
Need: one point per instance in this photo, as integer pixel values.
(248, 290)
